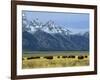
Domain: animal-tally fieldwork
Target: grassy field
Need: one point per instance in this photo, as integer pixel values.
(56, 61)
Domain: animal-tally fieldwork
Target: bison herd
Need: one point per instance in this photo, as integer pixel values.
(63, 57)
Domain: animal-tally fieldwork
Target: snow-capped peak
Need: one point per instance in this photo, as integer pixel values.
(49, 27)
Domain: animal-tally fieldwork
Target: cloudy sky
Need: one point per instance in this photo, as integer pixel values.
(76, 22)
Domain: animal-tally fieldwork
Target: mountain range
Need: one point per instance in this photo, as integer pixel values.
(38, 36)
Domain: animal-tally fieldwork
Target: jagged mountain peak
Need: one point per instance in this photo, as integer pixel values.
(50, 36)
(49, 27)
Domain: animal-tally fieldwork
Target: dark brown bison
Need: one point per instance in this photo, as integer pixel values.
(80, 57)
(71, 56)
(86, 56)
(58, 56)
(23, 59)
(64, 56)
(48, 57)
(33, 57)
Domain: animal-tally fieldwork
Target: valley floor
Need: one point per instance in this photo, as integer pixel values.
(29, 62)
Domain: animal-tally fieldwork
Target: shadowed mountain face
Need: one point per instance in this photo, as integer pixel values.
(37, 36)
(41, 40)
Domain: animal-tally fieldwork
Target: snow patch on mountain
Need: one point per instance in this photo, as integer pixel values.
(49, 27)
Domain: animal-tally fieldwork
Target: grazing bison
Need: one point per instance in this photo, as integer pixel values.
(80, 57)
(85, 56)
(64, 56)
(71, 56)
(48, 57)
(33, 57)
(23, 59)
(58, 57)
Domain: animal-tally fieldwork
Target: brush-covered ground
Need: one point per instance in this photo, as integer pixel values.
(56, 61)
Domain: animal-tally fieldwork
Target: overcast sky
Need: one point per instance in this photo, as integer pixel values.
(76, 22)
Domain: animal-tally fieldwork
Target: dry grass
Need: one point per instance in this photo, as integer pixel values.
(55, 62)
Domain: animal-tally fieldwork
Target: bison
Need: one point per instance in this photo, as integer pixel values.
(80, 57)
(85, 56)
(64, 56)
(71, 56)
(58, 57)
(23, 59)
(33, 57)
(48, 57)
